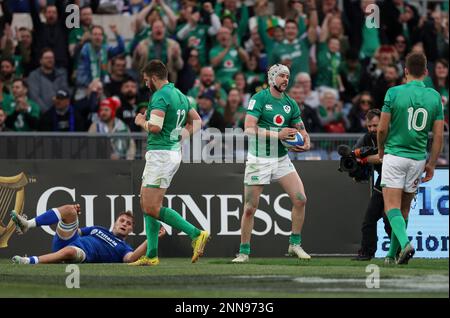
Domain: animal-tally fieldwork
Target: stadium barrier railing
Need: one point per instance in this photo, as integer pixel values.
(207, 148)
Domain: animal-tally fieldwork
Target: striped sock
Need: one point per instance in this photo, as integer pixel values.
(49, 217)
(33, 260)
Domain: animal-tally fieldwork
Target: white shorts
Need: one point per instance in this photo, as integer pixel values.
(160, 167)
(259, 171)
(401, 173)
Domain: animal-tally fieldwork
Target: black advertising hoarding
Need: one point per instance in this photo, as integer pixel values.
(208, 195)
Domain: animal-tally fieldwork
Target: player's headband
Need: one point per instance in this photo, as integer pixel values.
(276, 70)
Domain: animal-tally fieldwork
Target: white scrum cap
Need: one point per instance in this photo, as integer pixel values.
(276, 70)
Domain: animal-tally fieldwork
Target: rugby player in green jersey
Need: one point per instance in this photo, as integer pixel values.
(271, 117)
(409, 113)
(169, 114)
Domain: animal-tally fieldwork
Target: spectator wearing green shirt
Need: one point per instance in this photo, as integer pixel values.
(23, 114)
(238, 14)
(350, 74)
(328, 63)
(159, 46)
(370, 36)
(24, 59)
(294, 50)
(227, 57)
(79, 36)
(332, 27)
(194, 33)
(156, 10)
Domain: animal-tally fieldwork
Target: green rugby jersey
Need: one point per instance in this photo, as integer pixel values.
(297, 52)
(413, 108)
(176, 107)
(272, 113)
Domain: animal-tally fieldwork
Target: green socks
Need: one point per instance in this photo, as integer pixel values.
(295, 239)
(152, 226)
(398, 226)
(244, 248)
(174, 219)
(395, 245)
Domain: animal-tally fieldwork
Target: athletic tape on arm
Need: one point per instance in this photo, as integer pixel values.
(156, 120)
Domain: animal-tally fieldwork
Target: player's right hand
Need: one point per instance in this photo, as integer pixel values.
(429, 173)
(286, 133)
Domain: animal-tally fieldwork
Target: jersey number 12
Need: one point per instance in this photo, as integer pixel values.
(181, 113)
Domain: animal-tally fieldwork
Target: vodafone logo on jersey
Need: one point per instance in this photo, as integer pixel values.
(278, 120)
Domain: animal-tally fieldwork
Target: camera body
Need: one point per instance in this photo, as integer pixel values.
(355, 168)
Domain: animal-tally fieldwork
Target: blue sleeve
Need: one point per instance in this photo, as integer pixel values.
(116, 50)
(86, 230)
(83, 70)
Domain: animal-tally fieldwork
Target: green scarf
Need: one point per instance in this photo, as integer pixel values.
(99, 61)
(152, 54)
(334, 62)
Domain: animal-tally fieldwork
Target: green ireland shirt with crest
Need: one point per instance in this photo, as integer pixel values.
(272, 114)
(176, 106)
(414, 108)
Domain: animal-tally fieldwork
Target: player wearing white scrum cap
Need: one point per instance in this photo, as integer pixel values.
(273, 116)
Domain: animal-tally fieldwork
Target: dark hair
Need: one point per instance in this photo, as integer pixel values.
(118, 57)
(23, 28)
(45, 50)
(156, 68)
(9, 60)
(434, 77)
(127, 213)
(127, 79)
(24, 83)
(371, 113)
(416, 64)
(291, 21)
(86, 6)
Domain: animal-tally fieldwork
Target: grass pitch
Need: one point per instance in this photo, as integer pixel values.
(217, 277)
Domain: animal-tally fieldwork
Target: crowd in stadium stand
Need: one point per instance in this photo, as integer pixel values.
(53, 78)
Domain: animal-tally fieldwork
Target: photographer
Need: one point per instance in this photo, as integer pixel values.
(359, 163)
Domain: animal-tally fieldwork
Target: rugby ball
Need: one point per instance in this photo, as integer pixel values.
(296, 140)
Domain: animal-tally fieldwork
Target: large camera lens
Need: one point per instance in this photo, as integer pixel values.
(349, 164)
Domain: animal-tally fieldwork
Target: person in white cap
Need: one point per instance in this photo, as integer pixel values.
(273, 116)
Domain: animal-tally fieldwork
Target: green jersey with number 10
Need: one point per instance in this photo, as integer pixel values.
(413, 108)
(176, 106)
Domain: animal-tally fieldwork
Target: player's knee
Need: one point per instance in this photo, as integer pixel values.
(249, 210)
(299, 201)
(68, 213)
(69, 253)
(152, 210)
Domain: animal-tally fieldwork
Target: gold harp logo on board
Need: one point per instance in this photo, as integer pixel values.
(12, 197)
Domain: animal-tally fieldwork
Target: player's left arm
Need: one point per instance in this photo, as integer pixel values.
(193, 122)
(382, 133)
(307, 143)
(297, 123)
(133, 256)
(154, 124)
